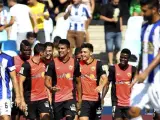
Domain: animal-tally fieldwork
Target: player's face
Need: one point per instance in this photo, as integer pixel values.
(86, 54)
(124, 59)
(49, 52)
(76, 1)
(9, 3)
(31, 40)
(115, 2)
(26, 52)
(1, 7)
(63, 50)
(147, 12)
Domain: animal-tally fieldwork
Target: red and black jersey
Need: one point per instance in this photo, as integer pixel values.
(121, 80)
(90, 76)
(63, 76)
(34, 88)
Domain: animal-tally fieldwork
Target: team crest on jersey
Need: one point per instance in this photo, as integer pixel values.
(93, 68)
(70, 67)
(68, 75)
(129, 74)
(42, 74)
(92, 76)
(73, 107)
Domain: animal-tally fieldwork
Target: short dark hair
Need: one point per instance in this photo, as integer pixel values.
(24, 43)
(30, 34)
(64, 42)
(126, 51)
(151, 3)
(87, 45)
(57, 39)
(39, 47)
(77, 51)
(48, 44)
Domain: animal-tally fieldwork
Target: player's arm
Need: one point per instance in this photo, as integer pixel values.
(24, 73)
(77, 74)
(11, 22)
(33, 17)
(50, 72)
(46, 13)
(11, 69)
(103, 77)
(16, 88)
(67, 12)
(92, 6)
(142, 76)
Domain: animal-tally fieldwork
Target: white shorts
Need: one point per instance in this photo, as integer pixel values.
(5, 107)
(145, 94)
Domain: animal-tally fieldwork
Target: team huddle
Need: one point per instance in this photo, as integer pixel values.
(51, 88)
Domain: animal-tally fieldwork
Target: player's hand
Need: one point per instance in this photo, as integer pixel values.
(113, 20)
(55, 89)
(99, 88)
(23, 106)
(18, 101)
(141, 77)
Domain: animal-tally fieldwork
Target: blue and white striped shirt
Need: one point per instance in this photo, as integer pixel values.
(79, 14)
(6, 66)
(150, 46)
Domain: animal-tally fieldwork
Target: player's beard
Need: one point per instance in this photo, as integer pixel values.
(148, 18)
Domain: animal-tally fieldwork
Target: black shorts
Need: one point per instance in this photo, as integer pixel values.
(37, 107)
(16, 111)
(62, 109)
(121, 112)
(91, 109)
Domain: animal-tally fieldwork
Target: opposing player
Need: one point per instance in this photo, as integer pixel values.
(25, 52)
(32, 89)
(7, 71)
(64, 72)
(93, 78)
(121, 76)
(48, 52)
(150, 48)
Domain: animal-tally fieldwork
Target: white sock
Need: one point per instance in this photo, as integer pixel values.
(137, 118)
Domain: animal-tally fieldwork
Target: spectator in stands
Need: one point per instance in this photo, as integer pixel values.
(91, 5)
(20, 16)
(111, 14)
(4, 19)
(77, 13)
(31, 37)
(135, 7)
(40, 11)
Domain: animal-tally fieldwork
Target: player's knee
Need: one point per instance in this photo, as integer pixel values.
(70, 117)
(134, 112)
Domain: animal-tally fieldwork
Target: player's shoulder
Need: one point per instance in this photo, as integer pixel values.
(111, 67)
(5, 56)
(40, 4)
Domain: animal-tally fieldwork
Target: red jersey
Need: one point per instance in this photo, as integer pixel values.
(90, 75)
(121, 80)
(18, 63)
(63, 77)
(34, 88)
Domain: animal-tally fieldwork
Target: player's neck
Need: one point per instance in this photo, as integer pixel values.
(35, 3)
(155, 18)
(36, 59)
(90, 60)
(123, 67)
(65, 59)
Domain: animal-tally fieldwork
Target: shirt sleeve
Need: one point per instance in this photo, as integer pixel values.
(111, 76)
(50, 69)
(100, 69)
(12, 12)
(134, 69)
(87, 12)
(67, 8)
(10, 64)
(25, 69)
(77, 72)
